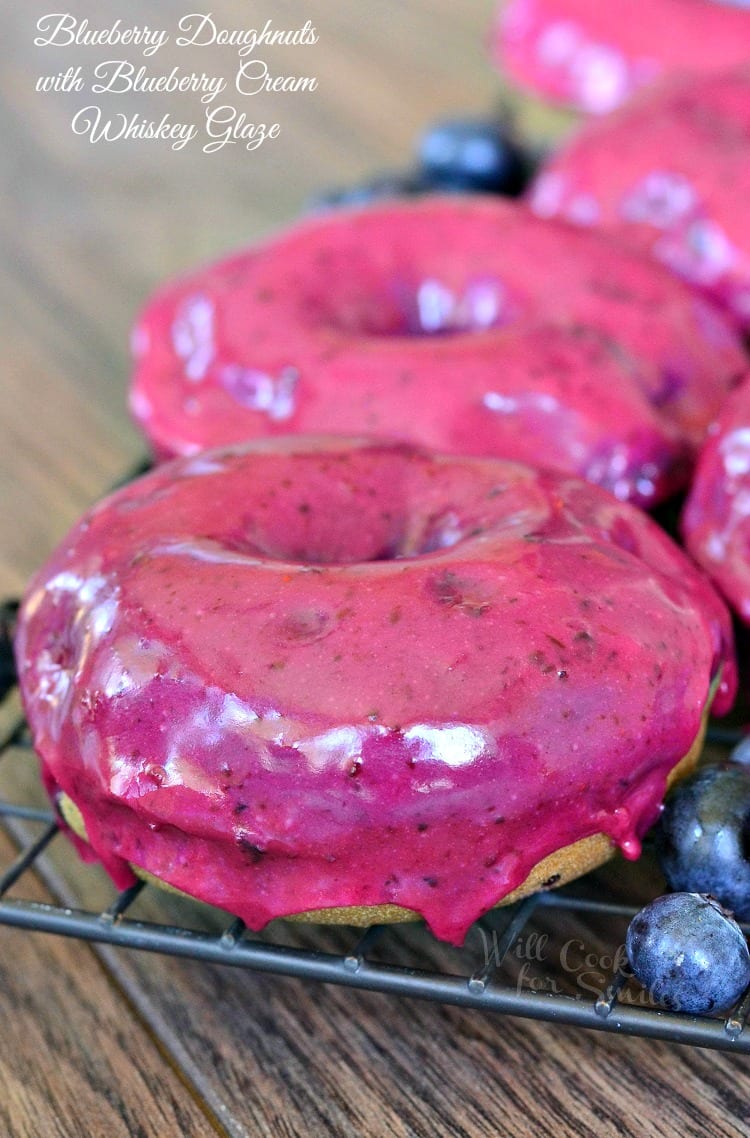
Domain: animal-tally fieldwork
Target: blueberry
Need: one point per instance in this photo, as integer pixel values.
(388, 185)
(689, 953)
(703, 836)
(741, 753)
(472, 154)
(8, 613)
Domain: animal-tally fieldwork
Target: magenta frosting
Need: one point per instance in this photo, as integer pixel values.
(322, 672)
(466, 325)
(716, 520)
(594, 54)
(668, 174)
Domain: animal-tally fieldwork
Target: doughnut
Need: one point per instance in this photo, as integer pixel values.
(355, 680)
(668, 174)
(593, 55)
(468, 327)
(716, 518)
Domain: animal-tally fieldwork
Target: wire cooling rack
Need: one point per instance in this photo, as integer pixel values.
(481, 980)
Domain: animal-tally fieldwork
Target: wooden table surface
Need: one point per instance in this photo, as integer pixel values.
(101, 1042)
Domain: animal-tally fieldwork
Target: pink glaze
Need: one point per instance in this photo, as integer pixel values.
(669, 175)
(716, 521)
(317, 672)
(395, 320)
(593, 54)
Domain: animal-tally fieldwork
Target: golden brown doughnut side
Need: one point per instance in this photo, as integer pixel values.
(458, 666)
(559, 868)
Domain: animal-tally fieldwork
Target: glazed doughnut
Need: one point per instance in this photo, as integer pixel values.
(716, 520)
(312, 674)
(670, 175)
(593, 55)
(412, 320)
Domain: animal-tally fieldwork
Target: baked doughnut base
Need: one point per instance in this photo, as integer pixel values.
(557, 869)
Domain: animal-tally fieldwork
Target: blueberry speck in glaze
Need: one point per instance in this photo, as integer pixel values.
(472, 155)
(689, 953)
(703, 836)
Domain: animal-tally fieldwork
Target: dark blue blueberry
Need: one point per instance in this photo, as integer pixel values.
(741, 753)
(8, 613)
(472, 155)
(703, 836)
(377, 189)
(689, 953)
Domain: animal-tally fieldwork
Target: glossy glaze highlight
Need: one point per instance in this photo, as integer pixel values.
(311, 673)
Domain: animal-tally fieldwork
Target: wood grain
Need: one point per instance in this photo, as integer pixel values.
(271, 1056)
(75, 1061)
(113, 1043)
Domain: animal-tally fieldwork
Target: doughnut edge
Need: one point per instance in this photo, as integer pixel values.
(557, 869)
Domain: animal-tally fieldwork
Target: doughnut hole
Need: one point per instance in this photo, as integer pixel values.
(431, 306)
(377, 504)
(337, 511)
(403, 281)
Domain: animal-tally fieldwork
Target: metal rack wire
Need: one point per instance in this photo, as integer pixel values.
(480, 984)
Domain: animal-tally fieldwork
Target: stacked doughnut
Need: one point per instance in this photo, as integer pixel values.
(594, 55)
(716, 521)
(463, 324)
(669, 175)
(362, 681)
(354, 679)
